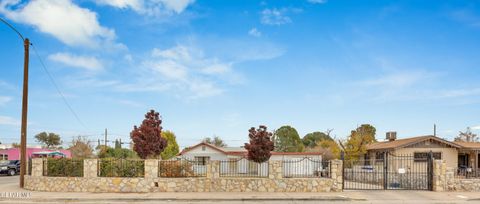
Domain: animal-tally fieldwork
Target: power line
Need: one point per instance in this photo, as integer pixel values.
(48, 73)
(13, 28)
(56, 87)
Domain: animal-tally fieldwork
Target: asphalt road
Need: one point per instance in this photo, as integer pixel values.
(9, 184)
(8, 180)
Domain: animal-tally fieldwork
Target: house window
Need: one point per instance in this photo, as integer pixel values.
(423, 156)
(204, 148)
(379, 155)
(3, 156)
(367, 159)
(201, 160)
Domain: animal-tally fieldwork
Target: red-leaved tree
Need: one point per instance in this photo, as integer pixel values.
(147, 139)
(260, 146)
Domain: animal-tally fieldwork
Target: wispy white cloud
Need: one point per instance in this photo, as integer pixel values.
(275, 16)
(4, 100)
(317, 1)
(130, 103)
(63, 19)
(467, 17)
(186, 68)
(122, 4)
(6, 120)
(5, 85)
(232, 119)
(459, 93)
(476, 127)
(150, 7)
(254, 32)
(92, 82)
(397, 85)
(398, 80)
(84, 62)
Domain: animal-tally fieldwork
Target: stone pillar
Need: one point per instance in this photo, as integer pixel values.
(275, 170)
(336, 168)
(439, 175)
(90, 168)
(450, 179)
(37, 167)
(213, 169)
(151, 168)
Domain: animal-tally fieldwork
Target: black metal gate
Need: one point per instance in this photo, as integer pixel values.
(389, 172)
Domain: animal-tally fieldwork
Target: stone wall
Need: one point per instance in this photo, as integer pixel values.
(444, 179)
(464, 185)
(460, 184)
(211, 183)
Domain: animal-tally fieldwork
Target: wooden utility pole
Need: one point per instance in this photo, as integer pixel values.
(23, 139)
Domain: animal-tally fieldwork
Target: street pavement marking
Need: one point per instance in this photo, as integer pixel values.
(461, 196)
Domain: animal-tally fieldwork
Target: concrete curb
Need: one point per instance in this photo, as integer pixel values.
(251, 199)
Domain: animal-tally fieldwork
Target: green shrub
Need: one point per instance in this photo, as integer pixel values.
(176, 169)
(63, 167)
(112, 167)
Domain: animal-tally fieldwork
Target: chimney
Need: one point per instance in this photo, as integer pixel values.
(391, 136)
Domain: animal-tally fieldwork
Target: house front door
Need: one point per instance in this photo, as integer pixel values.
(463, 160)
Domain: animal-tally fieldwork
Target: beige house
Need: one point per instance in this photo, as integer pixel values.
(456, 154)
(204, 152)
(233, 160)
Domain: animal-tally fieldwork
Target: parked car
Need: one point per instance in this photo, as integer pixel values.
(10, 167)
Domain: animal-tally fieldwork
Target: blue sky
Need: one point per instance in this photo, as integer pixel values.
(221, 67)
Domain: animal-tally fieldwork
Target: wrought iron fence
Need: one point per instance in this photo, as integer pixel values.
(181, 168)
(306, 168)
(112, 167)
(466, 173)
(62, 167)
(390, 172)
(243, 168)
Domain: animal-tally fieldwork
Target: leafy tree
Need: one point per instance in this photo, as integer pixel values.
(288, 140)
(311, 140)
(216, 141)
(81, 148)
(172, 148)
(118, 145)
(260, 146)
(467, 136)
(15, 145)
(119, 153)
(49, 140)
(356, 144)
(147, 139)
(329, 149)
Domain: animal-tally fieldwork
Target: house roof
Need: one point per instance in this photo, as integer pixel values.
(240, 151)
(399, 143)
(200, 144)
(469, 145)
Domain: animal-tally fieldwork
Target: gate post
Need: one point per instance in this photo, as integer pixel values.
(438, 176)
(430, 170)
(337, 175)
(385, 170)
(342, 158)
